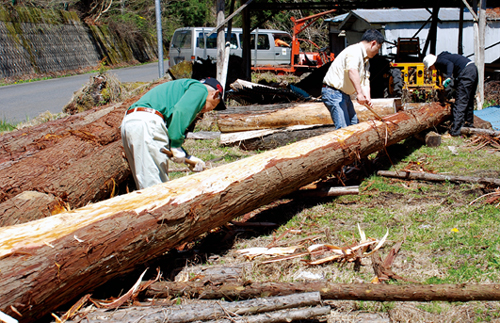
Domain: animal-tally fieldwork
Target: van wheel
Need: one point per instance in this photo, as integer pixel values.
(395, 86)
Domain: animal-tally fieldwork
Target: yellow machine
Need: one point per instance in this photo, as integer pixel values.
(408, 76)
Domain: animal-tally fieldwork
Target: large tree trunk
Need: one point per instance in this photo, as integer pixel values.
(46, 263)
(71, 161)
(365, 292)
(298, 114)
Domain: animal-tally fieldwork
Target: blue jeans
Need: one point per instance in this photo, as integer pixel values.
(340, 106)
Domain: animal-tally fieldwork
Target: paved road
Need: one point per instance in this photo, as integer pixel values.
(21, 102)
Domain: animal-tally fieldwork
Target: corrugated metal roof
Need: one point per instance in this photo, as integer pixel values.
(338, 18)
(402, 15)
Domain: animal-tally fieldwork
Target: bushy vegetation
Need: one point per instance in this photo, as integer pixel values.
(136, 18)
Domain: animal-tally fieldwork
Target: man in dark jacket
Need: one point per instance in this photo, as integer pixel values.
(460, 73)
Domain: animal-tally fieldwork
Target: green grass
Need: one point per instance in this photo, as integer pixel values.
(446, 240)
(6, 126)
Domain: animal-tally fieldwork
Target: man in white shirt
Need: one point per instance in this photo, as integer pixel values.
(349, 74)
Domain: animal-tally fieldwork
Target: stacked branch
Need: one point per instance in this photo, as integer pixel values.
(269, 309)
(332, 291)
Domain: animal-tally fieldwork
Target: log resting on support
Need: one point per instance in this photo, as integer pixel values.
(46, 263)
(300, 114)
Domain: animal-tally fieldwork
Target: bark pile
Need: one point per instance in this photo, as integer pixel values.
(43, 264)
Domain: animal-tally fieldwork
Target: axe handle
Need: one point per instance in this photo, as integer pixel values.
(169, 155)
(375, 113)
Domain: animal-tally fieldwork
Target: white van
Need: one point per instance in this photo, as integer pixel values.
(192, 42)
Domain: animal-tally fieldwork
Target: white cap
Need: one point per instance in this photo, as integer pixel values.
(429, 60)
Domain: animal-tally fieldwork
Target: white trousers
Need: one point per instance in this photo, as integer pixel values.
(143, 135)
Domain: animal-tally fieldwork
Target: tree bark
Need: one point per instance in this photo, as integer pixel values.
(438, 178)
(365, 292)
(204, 311)
(76, 160)
(299, 114)
(46, 263)
(29, 206)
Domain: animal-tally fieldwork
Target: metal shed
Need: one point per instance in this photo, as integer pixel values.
(395, 23)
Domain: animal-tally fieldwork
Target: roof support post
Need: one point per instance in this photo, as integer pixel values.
(246, 50)
(221, 41)
(479, 58)
(460, 50)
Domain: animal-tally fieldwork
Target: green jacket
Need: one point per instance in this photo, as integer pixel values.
(179, 101)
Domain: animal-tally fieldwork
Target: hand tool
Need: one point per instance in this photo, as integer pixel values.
(169, 154)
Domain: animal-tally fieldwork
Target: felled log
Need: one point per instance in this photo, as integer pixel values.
(74, 161)
(233, 120)
(438, 177)
(272, 138)
(332, 291)
(29, 206)
(329, 191)
(45, 263)
(470, 131)
(206, 311)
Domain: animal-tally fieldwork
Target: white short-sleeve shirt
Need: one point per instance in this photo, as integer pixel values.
(353, 57)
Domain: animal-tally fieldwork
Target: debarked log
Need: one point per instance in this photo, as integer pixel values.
(439, 178)
(206, 311)
(332, 291)
(329, 191)
(45, 263)
(299, 114)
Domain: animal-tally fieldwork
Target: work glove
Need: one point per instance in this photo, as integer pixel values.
(448, 83)
(200, 164)
(178, 155)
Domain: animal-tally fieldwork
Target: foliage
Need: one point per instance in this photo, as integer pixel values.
(6, 126)
(136, 18)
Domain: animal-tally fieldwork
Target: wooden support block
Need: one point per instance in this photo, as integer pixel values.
(433, 139)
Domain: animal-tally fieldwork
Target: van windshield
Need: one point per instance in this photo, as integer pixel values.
(212, 41)
(182, 39)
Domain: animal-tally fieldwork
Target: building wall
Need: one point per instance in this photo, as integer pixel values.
(447, 36)
(33, 41)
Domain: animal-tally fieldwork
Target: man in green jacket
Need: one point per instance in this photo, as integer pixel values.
(159, 120)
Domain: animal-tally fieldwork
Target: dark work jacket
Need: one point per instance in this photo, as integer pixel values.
(451, 64)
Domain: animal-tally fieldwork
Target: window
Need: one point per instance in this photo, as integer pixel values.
(182, 39)
(262, 41)
(212, 41)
